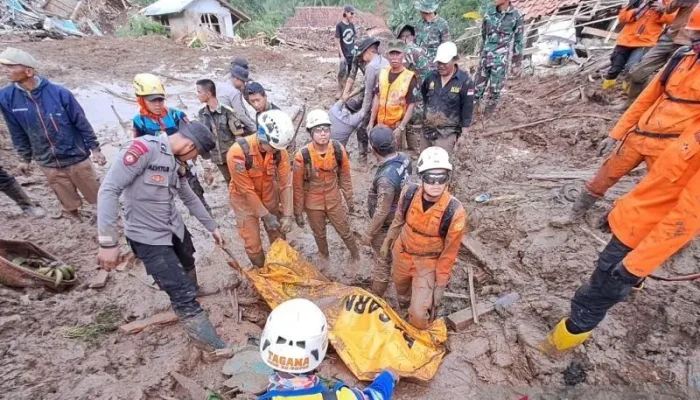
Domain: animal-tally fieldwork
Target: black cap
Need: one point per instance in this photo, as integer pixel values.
(354, 104)
(241, 62)
(239, 72)
(349, 9)
(382, 139)
(403, 28)
(200, 135)
(365, 44)
(255, 88)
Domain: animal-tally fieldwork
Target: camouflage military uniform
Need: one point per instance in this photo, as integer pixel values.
(417, 61)
(499, 31)
(430, 35)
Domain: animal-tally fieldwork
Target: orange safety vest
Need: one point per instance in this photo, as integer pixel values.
(392, 97)
(421, 235)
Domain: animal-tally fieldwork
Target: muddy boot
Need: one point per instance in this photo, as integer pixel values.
(257, 260)
(202, 333)
(364, 150)
(351, 244)
(379, 288)
(193, 278)
(584, 202)
(16, 193)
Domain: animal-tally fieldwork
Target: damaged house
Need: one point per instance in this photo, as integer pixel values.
(184, 17)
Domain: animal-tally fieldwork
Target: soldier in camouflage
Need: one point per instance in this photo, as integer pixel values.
(501, 29)
(418, 62)
(431, 30)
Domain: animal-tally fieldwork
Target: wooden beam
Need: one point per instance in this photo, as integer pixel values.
(599, 32)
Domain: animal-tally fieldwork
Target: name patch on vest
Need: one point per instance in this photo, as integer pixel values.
(159, 168)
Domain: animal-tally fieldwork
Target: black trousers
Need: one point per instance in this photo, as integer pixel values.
(10, 186)
(594, 298)
(169, 265)
(623, 58)
(6, 180)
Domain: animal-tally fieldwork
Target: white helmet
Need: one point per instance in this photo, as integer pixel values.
(316, 118)
(276, 129)
(434, 158)
(295, 338)
(446, 52)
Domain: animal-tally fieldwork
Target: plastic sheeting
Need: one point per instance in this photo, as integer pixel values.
(367, 334)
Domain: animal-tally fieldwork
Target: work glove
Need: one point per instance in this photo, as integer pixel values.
(606, 146)
(384, 251)
(351, 206)
(620, 273)
(438, 294)
(208, 176)
(604, 224)
(300, 220)
(286, 224)
(271, 223)
(98, 158)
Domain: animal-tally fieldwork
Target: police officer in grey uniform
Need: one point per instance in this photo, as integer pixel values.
(150, 172)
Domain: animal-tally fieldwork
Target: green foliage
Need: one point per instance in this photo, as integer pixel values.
(268, 15)
(105, 322)
(140, 25)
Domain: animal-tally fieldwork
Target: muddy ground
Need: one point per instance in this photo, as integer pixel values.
(641, 350)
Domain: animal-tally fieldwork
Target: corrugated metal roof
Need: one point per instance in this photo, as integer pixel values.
(538, 8)
(324, 17)
(162, 7)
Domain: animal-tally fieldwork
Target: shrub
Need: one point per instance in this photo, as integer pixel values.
(142, 26)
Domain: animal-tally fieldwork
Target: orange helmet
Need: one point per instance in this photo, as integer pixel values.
(694, 20)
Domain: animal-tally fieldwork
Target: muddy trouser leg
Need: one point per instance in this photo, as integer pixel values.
(618, 60)
(12, 188)
(249, 231)
(317, 222)
(482, 78)
(624, 159)
(164, 265)
(401, 266)
(197, 188)
(497, 79)
(425, 143)
(422, 288)
(653, 60)
(338, 217)
(84, 178)
(223, 168)
(634, 58)
(363, 137)
(185, 253)
(594, 298)
(414, 130)
(446, 142)
(381, 271)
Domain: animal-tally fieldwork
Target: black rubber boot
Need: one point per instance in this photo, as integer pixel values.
(16, 193)
(583, 203)
(202, 333)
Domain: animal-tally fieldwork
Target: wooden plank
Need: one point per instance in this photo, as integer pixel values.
(462, 319)
(161, 319)
(599, 32)
(611, 31)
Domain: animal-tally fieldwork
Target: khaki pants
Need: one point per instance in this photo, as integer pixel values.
(66, 182)
(446, 142)
(414, 279)
(249, 231)
(337, 217)
(381, 271)
(642, 73)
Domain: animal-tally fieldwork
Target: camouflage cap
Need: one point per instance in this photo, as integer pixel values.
(396, 46)
(402, 28)
(427, 5)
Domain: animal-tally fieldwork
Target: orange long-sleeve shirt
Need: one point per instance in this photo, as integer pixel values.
(266, 186)
(322, 190)
(645, 31)
(662, 213)
(418, 233)
(665, 110)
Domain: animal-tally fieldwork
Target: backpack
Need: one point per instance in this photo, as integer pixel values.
(673, 63)
(337, 152)
(277, 157)
(446, 220)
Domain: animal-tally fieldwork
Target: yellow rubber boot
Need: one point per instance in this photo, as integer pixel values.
(560, 339)
(608, 83)
(626, 87)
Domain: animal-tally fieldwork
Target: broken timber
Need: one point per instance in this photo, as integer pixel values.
(462, 319)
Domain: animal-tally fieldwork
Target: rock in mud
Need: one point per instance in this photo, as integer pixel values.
(574, 374)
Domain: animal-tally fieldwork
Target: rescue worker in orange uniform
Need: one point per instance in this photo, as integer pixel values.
(321, 172)
(666, 108)
(649, 225)
(396, 93)
(643, 24)
(425, 238)
(261, 182)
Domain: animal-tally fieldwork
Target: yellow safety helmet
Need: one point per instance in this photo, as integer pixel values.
(149, 86)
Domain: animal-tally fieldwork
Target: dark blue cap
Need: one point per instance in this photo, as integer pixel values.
(255, 88)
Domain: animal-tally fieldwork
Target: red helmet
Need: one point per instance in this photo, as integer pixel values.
(694, 20)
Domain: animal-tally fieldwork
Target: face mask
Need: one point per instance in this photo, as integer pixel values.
(695, 44)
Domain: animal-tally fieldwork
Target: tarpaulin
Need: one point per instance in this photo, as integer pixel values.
(365, 332)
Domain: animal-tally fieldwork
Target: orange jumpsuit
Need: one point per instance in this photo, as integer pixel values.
(317, 191)
(654, 121)
(422, 258)
(265, 188)
(645, 31)
(662, 213)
